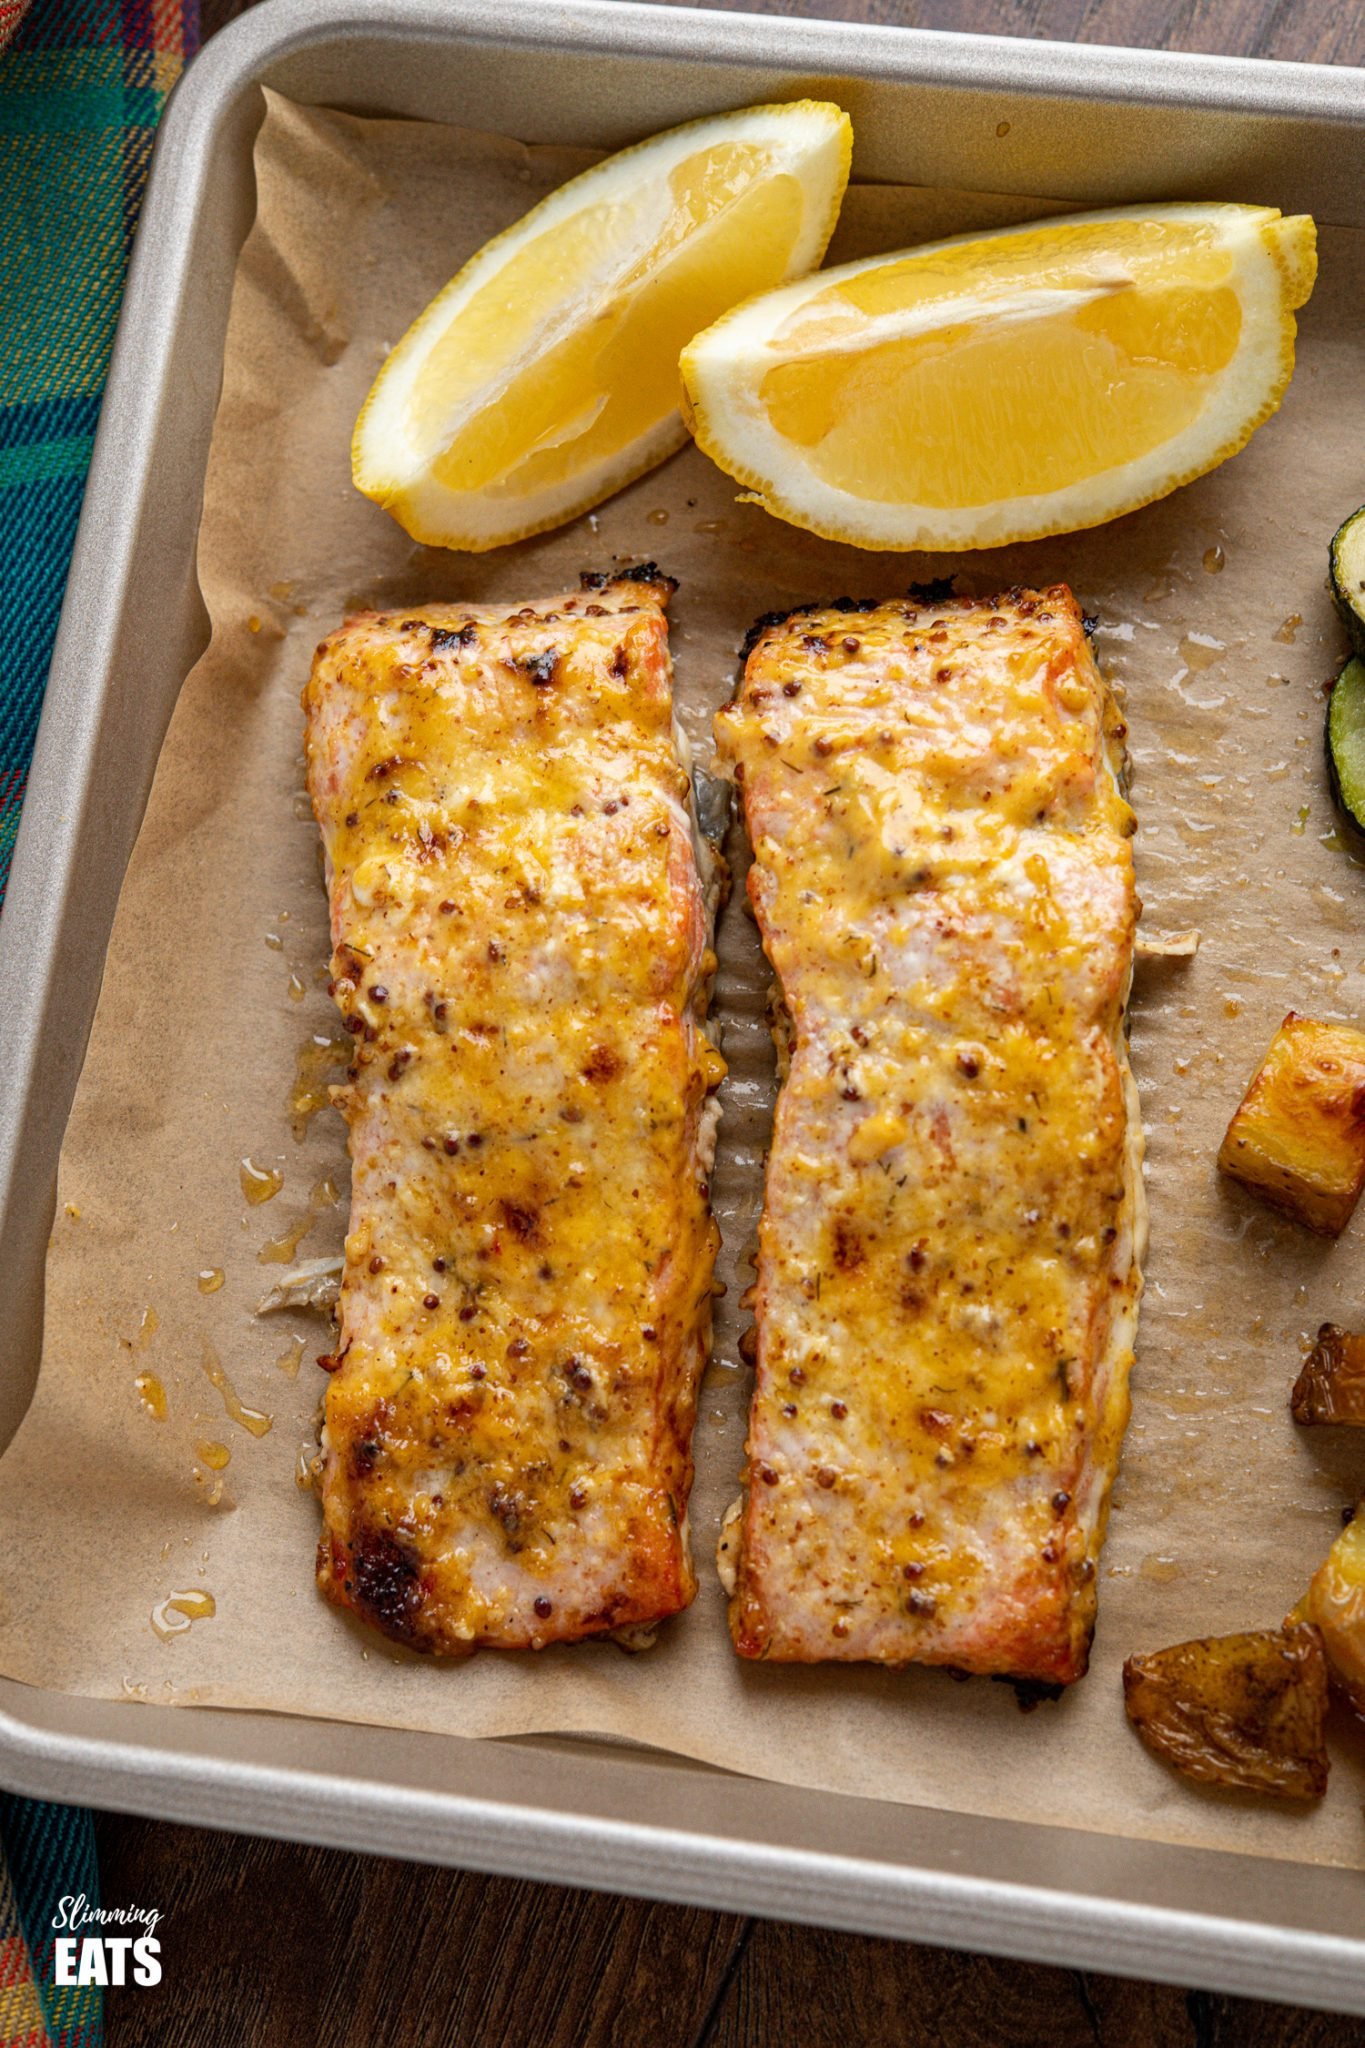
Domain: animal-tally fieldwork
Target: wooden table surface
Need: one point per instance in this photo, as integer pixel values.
(270, 1944)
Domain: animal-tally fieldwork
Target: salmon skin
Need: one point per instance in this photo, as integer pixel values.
(949, 1256)
(521, 934)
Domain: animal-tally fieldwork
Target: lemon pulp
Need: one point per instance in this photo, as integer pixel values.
(592, 391)
(1023, 398)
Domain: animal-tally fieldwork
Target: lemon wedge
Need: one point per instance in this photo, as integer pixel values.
(998, 387)
(545, 375)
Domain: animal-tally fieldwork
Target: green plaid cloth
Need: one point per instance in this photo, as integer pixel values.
(47, 1853)
(82, 85)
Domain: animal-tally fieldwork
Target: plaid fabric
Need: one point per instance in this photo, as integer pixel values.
(47, 1853)
(22, 2021)
(82, 84)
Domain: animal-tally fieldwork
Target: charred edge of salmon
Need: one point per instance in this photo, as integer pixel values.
(380, 1579)
(767, 620)
(648, 575)
(937, 594)
(643, 572)
(1032, 1692)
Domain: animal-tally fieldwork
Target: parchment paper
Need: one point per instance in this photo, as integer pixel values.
(214, 981)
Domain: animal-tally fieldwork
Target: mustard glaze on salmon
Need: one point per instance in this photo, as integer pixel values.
(522, 955)
(948, 1270)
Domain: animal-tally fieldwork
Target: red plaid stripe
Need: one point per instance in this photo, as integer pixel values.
(11, 13)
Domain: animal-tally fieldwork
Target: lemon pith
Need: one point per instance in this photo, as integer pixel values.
(544, 376)
(999, 387)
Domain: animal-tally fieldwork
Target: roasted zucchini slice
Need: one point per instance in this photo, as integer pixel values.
(1335, 1605)
(1346, 743)
(1298, 1137)
(1331, 1386)
(1245, 1712)
(1347, 557)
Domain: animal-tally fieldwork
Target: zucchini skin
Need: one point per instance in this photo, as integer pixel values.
(1348, 595)
(1352, 816)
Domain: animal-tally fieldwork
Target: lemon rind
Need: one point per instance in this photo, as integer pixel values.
(438, 531)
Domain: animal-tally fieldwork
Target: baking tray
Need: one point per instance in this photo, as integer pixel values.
(1101, 125)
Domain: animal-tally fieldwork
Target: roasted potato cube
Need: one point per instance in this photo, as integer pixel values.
(1240, 1711)
(1331, 1386)
(1335, 1604)
(1298, 1139)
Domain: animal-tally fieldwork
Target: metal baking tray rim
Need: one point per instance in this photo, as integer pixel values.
(699, 1865)
(986, 63)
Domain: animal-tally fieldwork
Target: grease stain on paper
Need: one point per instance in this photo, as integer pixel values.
(177, 1613)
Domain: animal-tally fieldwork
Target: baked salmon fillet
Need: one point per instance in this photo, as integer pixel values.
(948, 1266)
(522, 953)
